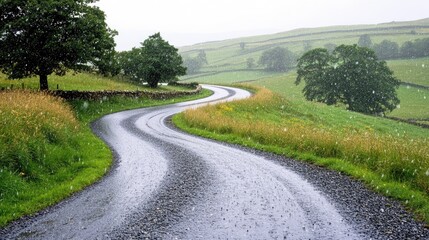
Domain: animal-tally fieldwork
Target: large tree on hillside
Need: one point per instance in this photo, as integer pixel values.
(41, 37)
(160, 61)
(351, 75)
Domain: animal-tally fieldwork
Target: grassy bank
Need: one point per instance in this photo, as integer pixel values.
(48, 151)
(391, 157)
(81, 82)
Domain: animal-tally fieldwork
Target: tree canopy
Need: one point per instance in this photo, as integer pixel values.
(277, 59)
(386, 50)
(365, 41)
(351, 75)
(416, 49)
(194, 64)
(50, 36)
(155, 61)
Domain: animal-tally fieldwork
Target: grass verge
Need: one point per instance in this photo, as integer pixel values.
(48, 151)
(390, 157)
(81, 82)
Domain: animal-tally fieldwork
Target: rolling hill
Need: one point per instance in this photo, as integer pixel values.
(231, 55)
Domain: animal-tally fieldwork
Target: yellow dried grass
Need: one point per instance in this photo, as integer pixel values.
(400, 158)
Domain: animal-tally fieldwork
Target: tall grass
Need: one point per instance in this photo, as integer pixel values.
(47, 148)
(267, 119)
(39, 138)
(32, 124)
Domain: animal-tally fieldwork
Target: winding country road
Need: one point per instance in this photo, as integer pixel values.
(170, 185)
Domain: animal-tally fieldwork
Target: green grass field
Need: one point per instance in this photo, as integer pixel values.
(232, 77)
(79, 81)
(411, 70)
(414, 101)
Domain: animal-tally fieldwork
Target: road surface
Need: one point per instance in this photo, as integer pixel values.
(170, 185)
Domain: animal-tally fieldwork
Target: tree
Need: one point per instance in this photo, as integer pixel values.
(250, 63)
(351, 75)
(242, 45)
(202, 57)
(330, 47)
(307, 46)
(44, 37)
(408, 50)
(418, 48)
(193, 65)
(108, 65)
(386, 50)
(277, 59)
(365, 41)
(422, 46)
(130, 64)
(160, 61)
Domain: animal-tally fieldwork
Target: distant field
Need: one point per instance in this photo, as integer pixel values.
(414, 103)
(231, 77)
(411, 70)
(227, 55)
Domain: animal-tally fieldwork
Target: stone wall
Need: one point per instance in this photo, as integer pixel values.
(97, 95)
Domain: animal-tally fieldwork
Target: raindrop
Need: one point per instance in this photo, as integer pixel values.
(85, 105)
(427, 172)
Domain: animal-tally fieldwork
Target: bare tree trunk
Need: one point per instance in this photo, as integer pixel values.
(44, 82)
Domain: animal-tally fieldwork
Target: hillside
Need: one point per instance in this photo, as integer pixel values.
(227, 60)
(228, 55)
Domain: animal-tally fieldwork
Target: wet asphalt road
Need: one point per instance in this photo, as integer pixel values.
(169, 185)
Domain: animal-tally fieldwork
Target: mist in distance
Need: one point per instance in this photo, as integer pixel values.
(189, 22)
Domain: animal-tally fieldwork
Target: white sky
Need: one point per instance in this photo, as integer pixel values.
(186, 22)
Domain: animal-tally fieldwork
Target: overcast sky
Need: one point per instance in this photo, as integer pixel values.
(186, 22)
